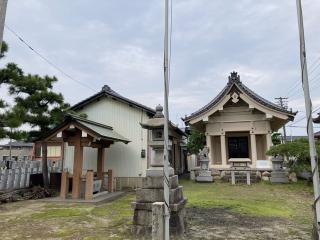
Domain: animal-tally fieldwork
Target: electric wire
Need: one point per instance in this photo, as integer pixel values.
(47, 60)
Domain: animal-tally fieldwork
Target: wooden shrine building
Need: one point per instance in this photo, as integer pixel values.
(238, 124)
(79, 133)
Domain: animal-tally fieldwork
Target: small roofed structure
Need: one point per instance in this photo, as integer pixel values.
(238, 124)
(79, 133)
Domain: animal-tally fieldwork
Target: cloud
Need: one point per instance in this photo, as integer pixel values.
(120, 43)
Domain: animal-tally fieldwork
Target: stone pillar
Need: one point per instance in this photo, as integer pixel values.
(157, 221)
(64, 189)
(89, 185)
(253, 149)
(223, 150)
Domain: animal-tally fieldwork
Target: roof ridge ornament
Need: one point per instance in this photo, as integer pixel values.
(234, 77)
(106, 88)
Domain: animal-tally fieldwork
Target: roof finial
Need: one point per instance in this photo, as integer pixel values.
(234, 77)
(106, 88)
(159, 113)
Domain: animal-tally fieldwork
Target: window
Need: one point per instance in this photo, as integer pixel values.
(5, 158)
(54, 151)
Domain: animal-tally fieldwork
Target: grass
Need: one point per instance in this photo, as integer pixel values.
(290, 201)
(39, 220)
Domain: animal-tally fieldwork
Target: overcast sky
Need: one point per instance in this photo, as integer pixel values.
(120, 43)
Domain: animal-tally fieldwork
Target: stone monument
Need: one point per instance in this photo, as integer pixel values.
(205, 173)
(278, 174)
(152, 185)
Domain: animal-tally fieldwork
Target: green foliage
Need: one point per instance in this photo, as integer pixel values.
(35, 100)
(297, 153)
(276, 138)
(4, 49)
(196, 141)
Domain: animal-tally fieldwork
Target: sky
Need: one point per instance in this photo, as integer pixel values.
(120, 43)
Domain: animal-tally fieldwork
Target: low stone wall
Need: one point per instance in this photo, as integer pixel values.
(122, 183)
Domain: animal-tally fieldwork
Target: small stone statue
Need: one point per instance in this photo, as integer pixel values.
(205, 173)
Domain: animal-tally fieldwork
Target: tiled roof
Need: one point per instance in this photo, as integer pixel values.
(18, 144)
(106, 91)
(234, 80)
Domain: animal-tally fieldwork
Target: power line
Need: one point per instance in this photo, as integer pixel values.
(47, 60)
(317, 109)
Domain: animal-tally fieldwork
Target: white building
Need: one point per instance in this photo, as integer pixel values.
(127, 161)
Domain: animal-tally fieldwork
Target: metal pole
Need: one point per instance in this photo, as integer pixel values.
(308, 105)
(166, 125)
(284, 105)
(3, 9)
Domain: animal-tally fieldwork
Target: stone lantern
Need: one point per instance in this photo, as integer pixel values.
(205, 173)
(278, 174)
(152, 185)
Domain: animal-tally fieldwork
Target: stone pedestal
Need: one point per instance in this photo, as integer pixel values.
(204, 176)
(151, 192)
(278, 174)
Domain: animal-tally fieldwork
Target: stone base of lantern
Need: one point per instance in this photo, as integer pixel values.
(152, 191)
(279, 176)
(204, 176)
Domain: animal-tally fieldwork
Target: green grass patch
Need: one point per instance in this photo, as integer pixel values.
(261, 199)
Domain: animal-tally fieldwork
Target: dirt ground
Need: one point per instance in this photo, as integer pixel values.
(219, 223)
(216, 211)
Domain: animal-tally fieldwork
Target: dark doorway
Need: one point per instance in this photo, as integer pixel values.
(238, 147)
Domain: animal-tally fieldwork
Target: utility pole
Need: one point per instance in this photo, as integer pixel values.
(308, 105)
(3, 9)
(282, 101)
(166, 125)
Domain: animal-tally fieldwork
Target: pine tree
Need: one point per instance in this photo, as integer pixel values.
(37, 103)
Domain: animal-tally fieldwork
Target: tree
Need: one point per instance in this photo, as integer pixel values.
(4, 49)
(297, 153)
(276, 138)
(35, 100)
(196, 141)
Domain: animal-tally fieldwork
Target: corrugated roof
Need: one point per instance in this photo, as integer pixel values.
(106, 91)
(234, 80)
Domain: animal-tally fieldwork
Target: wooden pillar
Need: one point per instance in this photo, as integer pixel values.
(77, 167)
(110, 180)
(253, 143)
(89, 185)
(223, 150)
(100, 164)
(64, 189)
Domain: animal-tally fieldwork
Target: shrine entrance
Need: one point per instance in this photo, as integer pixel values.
(238, 147)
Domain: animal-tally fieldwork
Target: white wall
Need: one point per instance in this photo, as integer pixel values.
(124, 159)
